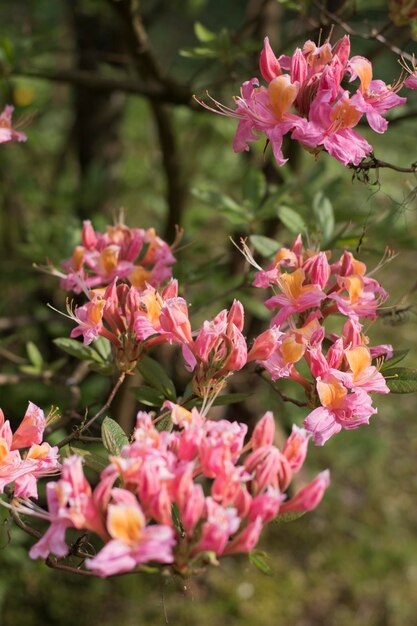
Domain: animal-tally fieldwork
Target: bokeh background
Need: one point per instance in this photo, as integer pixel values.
(103, 90)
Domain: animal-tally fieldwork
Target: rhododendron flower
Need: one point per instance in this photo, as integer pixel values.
(304, 97)
(24, 468)
(132, 542)
(296, 296)
(339, 409)
(224, 514)
(7, 133)
(134, 255)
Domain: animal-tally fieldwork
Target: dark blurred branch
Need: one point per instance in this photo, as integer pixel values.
(93, 80)
(148, 69)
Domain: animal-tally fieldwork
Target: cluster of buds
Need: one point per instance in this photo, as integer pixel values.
(135, 255)
(183, 497)
(24, 456)
(7, 133)
(128, 317)
(403, 12)
(308, 289)
(305, 97)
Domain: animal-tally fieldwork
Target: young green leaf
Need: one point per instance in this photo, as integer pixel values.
(401, 380)
(113, 435)
(254, 188)
(323, 211)
(258, 559)
(396, 358)
(291, 220)
(155, 375)
(264, 245)
(91, 460)
(203, 34)
(77, 349)
(148, 395)
(35, 357)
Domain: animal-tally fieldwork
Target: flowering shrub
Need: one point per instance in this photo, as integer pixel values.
(185, 489)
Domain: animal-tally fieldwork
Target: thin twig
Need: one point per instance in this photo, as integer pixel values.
(76, 433)
(373, 35)
(372, 163)
(54, 564)
(262, 374)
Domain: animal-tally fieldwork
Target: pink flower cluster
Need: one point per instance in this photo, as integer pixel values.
(7, 133)
(183, 497)
(128, 317)
(38, 459)
(305, 97)
(130, 254)
(310, 289)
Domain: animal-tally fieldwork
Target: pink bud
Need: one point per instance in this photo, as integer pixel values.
(295, 448)
(342, 49)
(335, 354)
(88, 236)
(266, 505)
(171, 290)
(192, 509)
(246, 540)
(298, 67)
(264, 431)
(236, 315)
(174, 320)
(263, 346)
(31, 428)
(268, 62)
(317, 269)
(309, 497)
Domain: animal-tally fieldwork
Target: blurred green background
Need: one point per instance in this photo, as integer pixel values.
(111, 123)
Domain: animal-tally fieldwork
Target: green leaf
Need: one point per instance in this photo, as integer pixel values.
(35, 357)
(258, 559)
(198, 53)
(154, 374)
(401, 380)
(32, 370)
(165, 423)
(203, 34)
(288, 517)
(323, 211)
(254, 187)
(91, 460)
(113, 435)
(103, 347)
(264, 245)
(397, 357)
(219, 200)
(105, 369)
(148, 395)
(77, 349)
(291, 220)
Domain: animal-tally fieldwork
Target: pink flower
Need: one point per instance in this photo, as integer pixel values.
(7, 133)
(374, 97)
(296, 296)
(132, 542)
(330, 126)
(339, 409)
